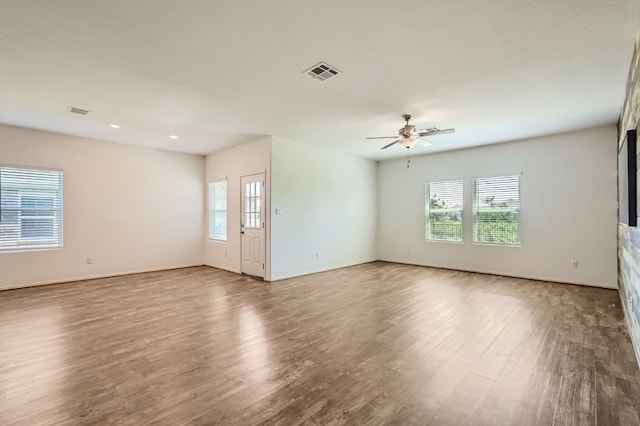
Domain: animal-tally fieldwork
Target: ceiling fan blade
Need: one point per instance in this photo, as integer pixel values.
(436, 132)
(392, 143)
(383, 137)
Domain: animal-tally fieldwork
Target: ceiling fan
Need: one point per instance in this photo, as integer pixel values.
(408, 136)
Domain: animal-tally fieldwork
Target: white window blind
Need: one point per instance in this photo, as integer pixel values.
(218, 210)
(443, 210)
(496, 210)
(31, 209)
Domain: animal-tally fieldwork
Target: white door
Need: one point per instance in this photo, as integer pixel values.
(252, 229)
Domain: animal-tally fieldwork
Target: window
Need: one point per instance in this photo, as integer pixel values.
(31, 209)
(252, 212)
(496, 210)
(36, 218)
(218, 210)
(443, 210)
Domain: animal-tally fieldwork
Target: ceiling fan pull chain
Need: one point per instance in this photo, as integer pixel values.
(408, 158)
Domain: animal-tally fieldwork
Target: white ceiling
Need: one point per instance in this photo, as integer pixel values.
(219, 72)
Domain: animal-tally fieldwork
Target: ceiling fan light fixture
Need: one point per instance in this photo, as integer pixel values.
(408, 142)
(408, 136)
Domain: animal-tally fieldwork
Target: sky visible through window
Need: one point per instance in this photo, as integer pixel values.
(448, 192)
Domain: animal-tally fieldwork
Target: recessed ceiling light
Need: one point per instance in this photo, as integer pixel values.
(114, 125)
(174, 137)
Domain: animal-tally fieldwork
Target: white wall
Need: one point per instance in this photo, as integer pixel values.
(130, 209)
(242, 160)
(136, 209)
(326, 206)
(568, 210)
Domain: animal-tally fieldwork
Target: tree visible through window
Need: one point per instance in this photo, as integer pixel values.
(496, 210)
(443, 210)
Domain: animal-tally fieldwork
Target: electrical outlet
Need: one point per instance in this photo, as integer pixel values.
(317, 256)
(225, 254)
(574, 264)
(89, 260)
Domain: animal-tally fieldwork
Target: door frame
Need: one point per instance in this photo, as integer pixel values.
(263, 219)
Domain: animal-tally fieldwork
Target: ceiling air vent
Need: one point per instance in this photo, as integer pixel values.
(322, 71)
(78, 110)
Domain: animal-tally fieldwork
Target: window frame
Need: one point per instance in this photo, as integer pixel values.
(474, 180)
(426, 185)
(212, 211)
(56, 241)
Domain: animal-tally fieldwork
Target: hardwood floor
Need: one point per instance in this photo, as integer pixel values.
(372, 344)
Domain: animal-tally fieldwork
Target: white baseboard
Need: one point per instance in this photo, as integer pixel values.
(500, 274)
(95, 277)
(284, 277)
(316, 271)
(235, 271)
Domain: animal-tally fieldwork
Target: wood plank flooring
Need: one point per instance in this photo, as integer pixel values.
(378, 343)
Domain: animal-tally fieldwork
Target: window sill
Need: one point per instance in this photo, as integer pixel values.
(497, 245)
(29, 250)
(444, 241)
